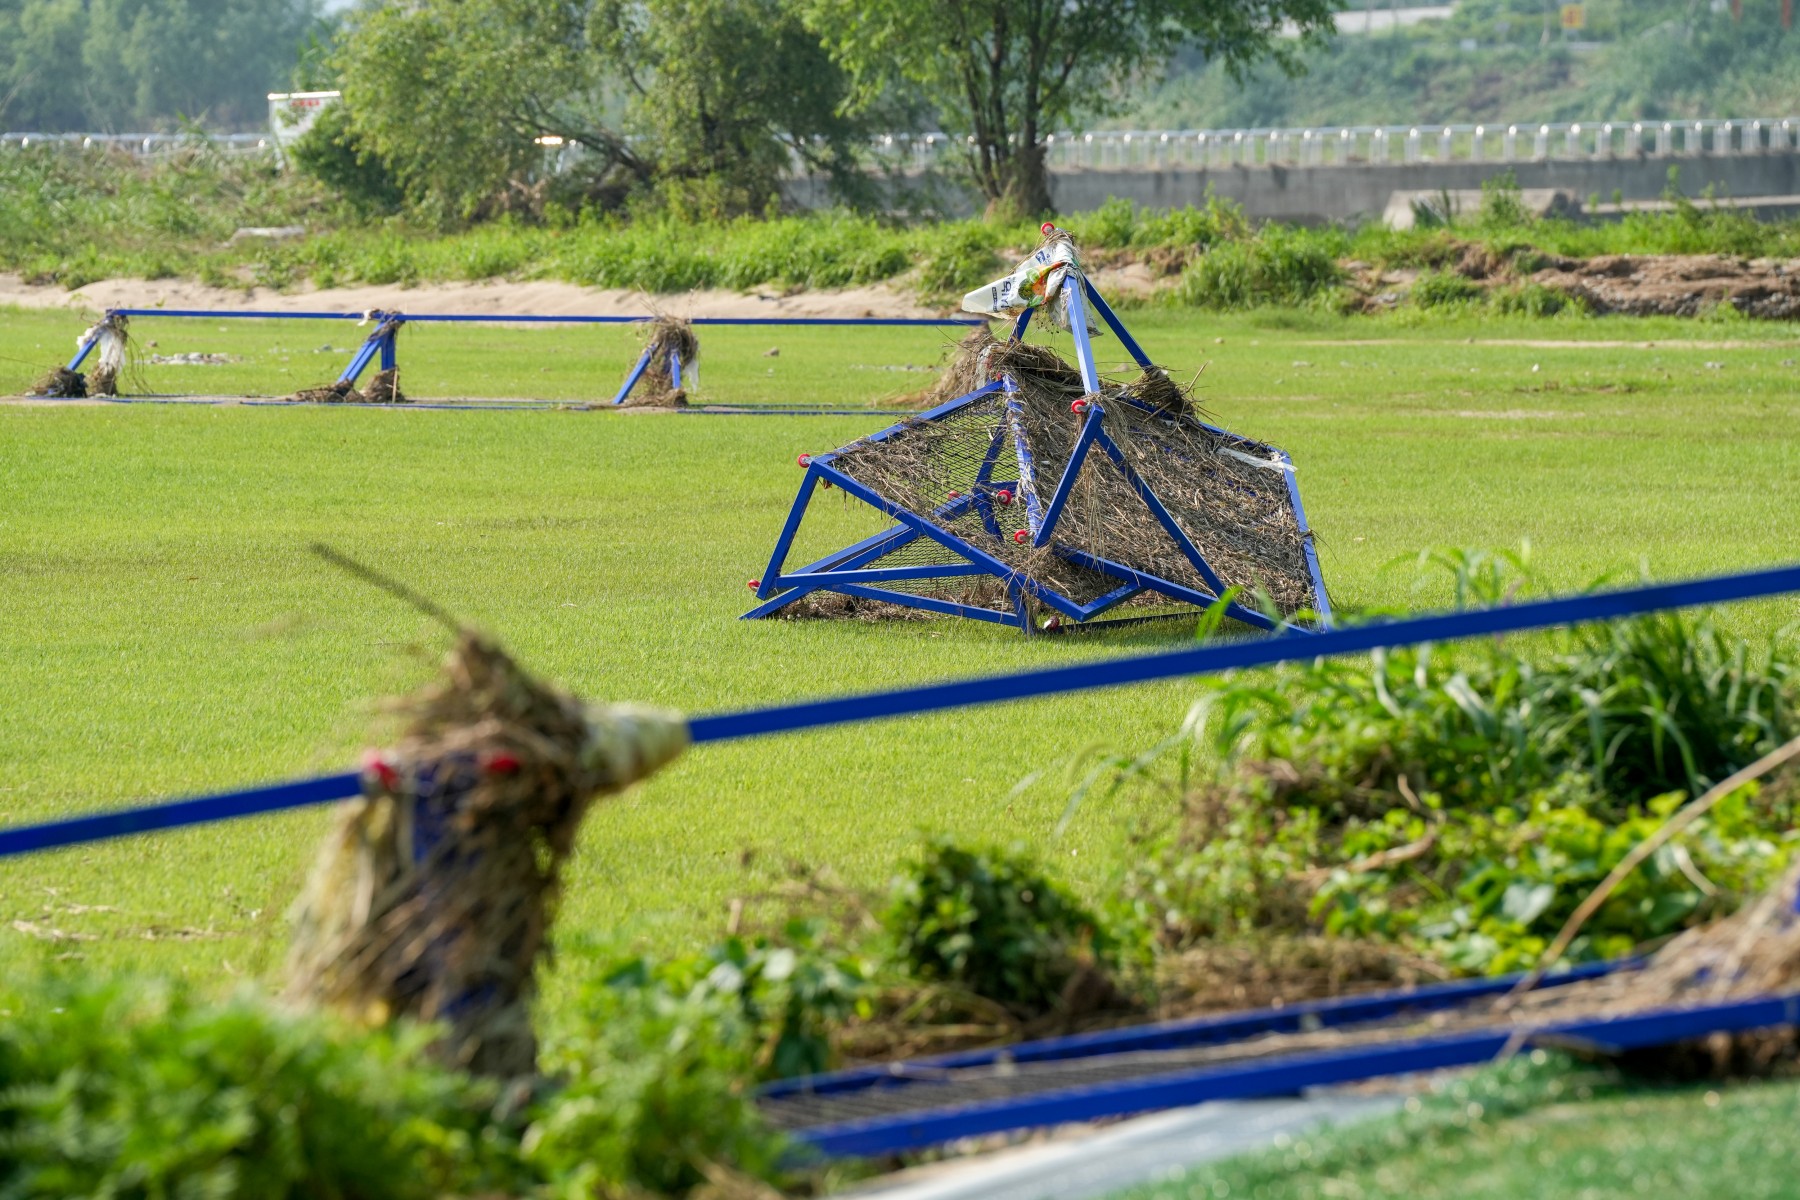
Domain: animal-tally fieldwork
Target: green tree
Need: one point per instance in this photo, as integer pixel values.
(703, 102)
(728, 93)
(115, 65)
(452, 96)
(1007, 72)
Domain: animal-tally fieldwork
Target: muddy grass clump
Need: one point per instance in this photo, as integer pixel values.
(433, 898)
(384, 388)
(656, 388)
(61, 384)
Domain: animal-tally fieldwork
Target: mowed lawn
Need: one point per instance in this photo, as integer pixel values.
(163, 628)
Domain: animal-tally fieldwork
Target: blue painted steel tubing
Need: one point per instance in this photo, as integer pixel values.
(874, 706)
(175, 814)
(1281, 1076)
(1259, 652)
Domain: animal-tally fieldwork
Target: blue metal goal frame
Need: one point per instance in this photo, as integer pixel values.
(847, 571)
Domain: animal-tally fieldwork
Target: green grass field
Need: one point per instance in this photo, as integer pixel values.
(164, 630)
(1551, 1131)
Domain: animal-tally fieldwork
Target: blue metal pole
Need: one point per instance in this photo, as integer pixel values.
(82, 351)
(1090, 429)
(1163, 516)
(675, 370)
(1084, 346)
(949, 608)
(1106, 314)
(1186, 1032)
(1286, 1074)
(1018, 332)
(1015, 411)
(532, 319)
(631, 380)
(796, 513)
(1175, 591)
(1321, 602)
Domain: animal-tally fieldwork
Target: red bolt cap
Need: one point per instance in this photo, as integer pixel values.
(1003, 496)
(804, 460)
(502, 763)
(381, 769)
(1047, 228)
(1079, 406)
(1021, 536)
(754, 584)
(954, 495)
(1052, 624)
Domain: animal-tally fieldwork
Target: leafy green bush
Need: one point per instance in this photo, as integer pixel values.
(1277, 266)
(1434, 289)
(121, 1088)
(1643, 706)
(1502, 204)
(786, 995)
(136, 1087)
(654, 1092)
(332, 153)
(990, 921)
(957, 258)
(1465, 801)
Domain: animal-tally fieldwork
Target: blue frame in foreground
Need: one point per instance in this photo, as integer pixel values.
(848, 571)
(1276, 1075)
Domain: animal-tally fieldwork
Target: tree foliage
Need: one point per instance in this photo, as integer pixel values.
(1499, 61)
(1008, 72)
(699, 101)
(143, 65)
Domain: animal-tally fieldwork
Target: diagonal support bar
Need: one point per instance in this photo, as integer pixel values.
(1090, 429)
(631, 380)
(379, 342)
(778, 556)
(1084, 345)
(1113, 323)
(1175, 591)
(1162, 515)
(82, 351)
(946, 539)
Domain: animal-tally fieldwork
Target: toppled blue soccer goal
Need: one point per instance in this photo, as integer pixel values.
(656, 378)
(1046, 494)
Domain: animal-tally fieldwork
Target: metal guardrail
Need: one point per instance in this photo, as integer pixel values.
(1195, 149)
(1346, 145)
(142, 144)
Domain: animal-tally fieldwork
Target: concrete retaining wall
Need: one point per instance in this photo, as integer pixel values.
(1316, 195)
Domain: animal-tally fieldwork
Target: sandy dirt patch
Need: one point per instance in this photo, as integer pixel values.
(538, 297)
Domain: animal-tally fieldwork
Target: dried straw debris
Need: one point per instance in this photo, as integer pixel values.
(384, 388)
(434, 896)
(656, 388)
(966, 368)
(1229, 496)
(61, 384)
(112, 348)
